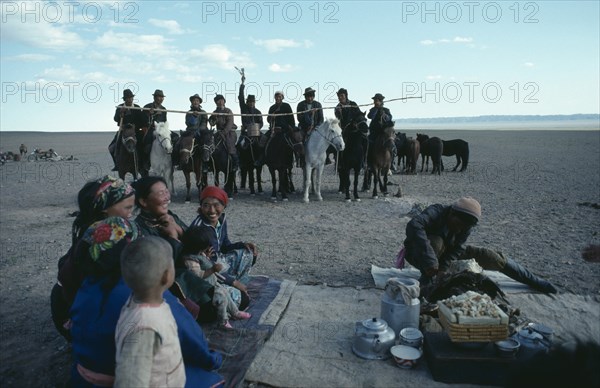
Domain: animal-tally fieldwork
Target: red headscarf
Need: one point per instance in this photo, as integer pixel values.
(214, 192)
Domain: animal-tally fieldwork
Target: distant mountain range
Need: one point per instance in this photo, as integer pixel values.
(499, 118)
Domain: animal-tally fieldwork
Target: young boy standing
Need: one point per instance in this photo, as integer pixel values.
(147, 345)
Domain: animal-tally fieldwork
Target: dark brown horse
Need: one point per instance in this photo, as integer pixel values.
(190, 160)
(353, 156)
(250, 152)
(127, 158)
(434, 148)
(379, 159)
(279, 157)
(412, 155)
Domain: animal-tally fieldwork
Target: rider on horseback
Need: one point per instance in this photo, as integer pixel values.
(381, 118)
(310, 120)
(249, 107)
(348, 113)
(284, 122)
(124, 117)
(196, 121)
(226, 128)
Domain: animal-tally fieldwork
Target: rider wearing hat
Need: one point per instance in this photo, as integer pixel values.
(224, 123)
(196, 119)
(285, 122)
(123, 117)
(248, 108)
(313, 112)
(439, 234)
(381, 118)
(346, 110)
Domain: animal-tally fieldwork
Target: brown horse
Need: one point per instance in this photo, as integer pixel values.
(190, 161)
(379, 159)
(127, 158)
(412, 156)
(23, 151)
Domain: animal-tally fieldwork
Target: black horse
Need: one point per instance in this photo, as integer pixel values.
(221, 162)
(353, 156)
(279, 157)
(457, 147)
(250, 152)
(434, 148)
(193, 153)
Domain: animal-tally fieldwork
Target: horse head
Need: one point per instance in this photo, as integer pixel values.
(422, 138)
(207, 142)
(295, 139)
(163, 135)
(333, 133)
(186, 148)
(128, 138)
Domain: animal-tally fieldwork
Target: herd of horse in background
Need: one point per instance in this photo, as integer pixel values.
(206, 152)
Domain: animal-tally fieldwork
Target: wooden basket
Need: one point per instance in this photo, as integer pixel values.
(473, 333)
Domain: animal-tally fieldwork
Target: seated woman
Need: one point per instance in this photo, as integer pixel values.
(97, 306)
(97, 200)
(155, 219)
(238, 257)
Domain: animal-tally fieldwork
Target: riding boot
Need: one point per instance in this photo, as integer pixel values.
(516, 271)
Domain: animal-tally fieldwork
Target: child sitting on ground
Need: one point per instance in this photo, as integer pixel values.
(148, 349)
(196, 254)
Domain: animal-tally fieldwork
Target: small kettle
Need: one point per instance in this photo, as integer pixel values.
(373, 339)
(531, 341)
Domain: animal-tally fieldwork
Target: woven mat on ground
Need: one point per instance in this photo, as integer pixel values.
(311, 345)
(239, 346)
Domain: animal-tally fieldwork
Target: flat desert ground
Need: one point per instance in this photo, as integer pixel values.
(539, 191)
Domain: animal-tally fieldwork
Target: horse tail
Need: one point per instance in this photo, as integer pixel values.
(465, 156)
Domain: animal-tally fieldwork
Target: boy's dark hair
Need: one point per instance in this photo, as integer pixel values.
(87, 214)
(144, 185)
(467, 219)
(196, 239)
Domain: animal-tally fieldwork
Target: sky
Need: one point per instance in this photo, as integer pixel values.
(64, 65)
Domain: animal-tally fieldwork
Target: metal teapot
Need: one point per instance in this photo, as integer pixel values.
(373, 339)
(531, 341)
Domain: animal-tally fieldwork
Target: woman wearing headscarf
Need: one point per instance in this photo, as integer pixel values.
(98, 305)
(98, 199)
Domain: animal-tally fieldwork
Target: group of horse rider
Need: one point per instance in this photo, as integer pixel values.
(280, 118)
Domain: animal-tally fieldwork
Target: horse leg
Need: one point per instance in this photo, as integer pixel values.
(345, 184)
(188, 185)
(317, 180)
(274, 183)
(284, 183)
(457, 163)
(259, 179)
(290, 180)
(356, 179)
(385, 182)
(250, 173)
(376, 176)
(307, 171)
(367, 179)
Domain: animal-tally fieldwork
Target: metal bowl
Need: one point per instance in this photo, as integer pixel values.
(507, 348)
(406, 357)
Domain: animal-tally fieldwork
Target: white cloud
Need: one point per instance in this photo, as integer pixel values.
(528, 64)
(147, 45)
(275, 45)
(219, 55)
(63, 73)
(31, 58)
(460, 39)
(40, 35)
(277, 68)
(172, 26)
(456, 39)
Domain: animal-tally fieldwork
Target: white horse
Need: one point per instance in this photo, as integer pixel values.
(160, 155)
(315, 152)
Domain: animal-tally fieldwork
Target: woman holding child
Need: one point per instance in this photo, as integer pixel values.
(239, 257)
